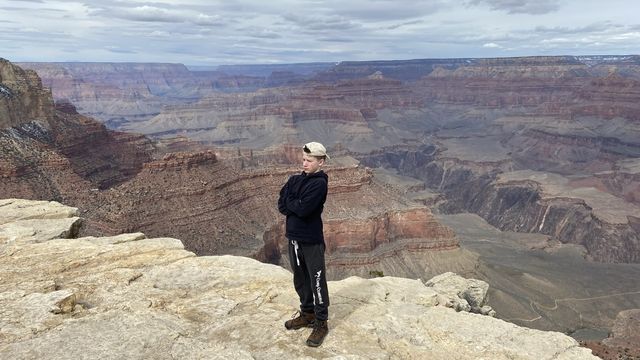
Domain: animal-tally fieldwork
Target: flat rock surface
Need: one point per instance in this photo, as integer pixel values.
(129, 297)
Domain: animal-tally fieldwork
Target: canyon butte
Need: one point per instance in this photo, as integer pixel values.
(522, 172)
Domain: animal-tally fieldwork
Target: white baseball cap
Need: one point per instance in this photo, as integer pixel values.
(315, 149)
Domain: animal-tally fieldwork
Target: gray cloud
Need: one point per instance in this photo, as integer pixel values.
(591, 28)
(382, 10)
(21, 8)
(533, 7)
(406, 23)
(121, 51)
(336, 39)
(319, 23)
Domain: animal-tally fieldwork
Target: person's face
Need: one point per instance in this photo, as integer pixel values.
(311, 164)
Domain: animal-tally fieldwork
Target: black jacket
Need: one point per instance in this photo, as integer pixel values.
(302, 201)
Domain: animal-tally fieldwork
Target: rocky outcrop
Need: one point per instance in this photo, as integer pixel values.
(623, 181)
(623, 341)
(177, 161)
(128, 296)
(67, 157)
(626, 330)
(461, 294)
(22, 97)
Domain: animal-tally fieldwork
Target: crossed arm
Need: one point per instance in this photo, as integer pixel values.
(302, 205)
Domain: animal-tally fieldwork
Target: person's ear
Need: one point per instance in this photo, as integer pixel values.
(321, 162)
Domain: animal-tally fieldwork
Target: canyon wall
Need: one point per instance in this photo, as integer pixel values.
(524, 202)
(572, 116)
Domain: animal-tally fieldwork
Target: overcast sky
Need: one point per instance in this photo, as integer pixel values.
(209, 32)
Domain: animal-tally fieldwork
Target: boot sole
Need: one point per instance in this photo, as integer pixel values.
(316, 344)
(298, 327)
(313, 344)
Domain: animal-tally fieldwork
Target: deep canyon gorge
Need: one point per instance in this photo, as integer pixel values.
(522, 172)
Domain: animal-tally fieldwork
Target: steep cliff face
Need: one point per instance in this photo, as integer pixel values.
(22, 97)
(99, 155)
(32, 169)
(67, 158)
(79, 80)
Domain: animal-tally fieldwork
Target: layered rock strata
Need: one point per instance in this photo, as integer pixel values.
(218, 209)
(526, 201)
(133, 297)
(572, 116)
(118, 92)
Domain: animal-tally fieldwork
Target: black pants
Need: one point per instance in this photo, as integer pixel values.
(309, 277)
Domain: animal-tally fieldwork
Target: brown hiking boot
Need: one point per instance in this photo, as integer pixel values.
(320, 330)
(303, 320)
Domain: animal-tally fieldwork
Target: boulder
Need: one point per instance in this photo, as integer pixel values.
(461, 294)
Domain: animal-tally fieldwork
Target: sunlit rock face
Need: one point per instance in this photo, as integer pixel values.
(22, 97)
(129, 296)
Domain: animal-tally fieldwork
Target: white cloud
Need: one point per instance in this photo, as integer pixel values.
(491, 45)
(204, 19)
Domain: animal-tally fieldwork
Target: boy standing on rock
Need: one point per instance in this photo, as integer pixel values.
(302, 201)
